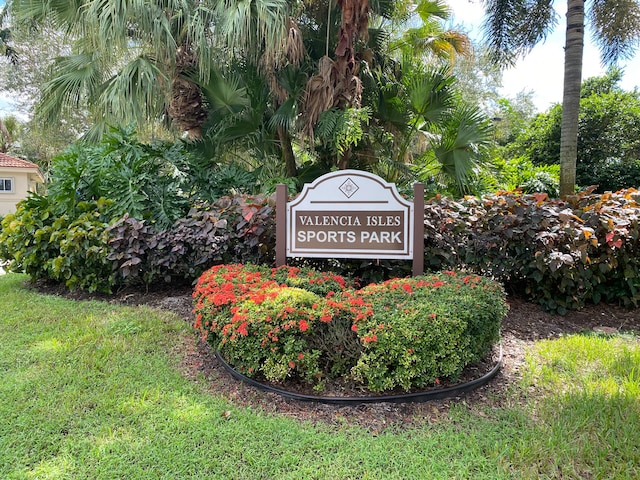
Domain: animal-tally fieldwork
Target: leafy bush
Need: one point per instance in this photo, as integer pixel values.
(140, 180)
(239, 228)
(67, 249)
(402, 333)
(561, 253)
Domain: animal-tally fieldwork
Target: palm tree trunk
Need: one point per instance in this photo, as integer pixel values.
(571, 96)
(287, 151)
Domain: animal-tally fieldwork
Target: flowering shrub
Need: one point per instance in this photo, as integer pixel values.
(417, 330)
(291, 322)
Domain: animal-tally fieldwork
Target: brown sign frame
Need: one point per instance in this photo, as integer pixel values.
(350, 214)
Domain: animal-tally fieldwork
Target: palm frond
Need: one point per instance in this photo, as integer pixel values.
(617, 28)
(512, 27)
(73, 77)
(462, 144)
(225, 94)
(431, 94)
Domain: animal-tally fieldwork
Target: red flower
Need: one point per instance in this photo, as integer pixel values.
(407, 288)
(242, 329)
(292, 364)
(354, 328)
(304, 326)
(300, 356)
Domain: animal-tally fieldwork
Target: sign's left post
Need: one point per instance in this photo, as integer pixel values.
(281, 225)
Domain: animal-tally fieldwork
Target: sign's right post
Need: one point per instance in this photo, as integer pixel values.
(418, 229)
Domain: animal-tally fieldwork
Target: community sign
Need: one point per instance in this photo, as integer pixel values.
(350, 214)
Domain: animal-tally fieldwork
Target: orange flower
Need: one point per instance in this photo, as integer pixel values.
(242, 329)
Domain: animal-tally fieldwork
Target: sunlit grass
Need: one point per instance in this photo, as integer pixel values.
(91, 390)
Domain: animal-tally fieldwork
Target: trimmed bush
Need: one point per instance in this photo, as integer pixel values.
(403, 333)
(232, 229)
(562, 253)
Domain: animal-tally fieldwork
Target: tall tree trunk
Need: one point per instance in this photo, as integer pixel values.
(287, 151)
(571, 96)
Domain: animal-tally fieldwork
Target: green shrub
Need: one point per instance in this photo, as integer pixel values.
(403, 333)
(139, 180)
(67, 249)
(417, 330)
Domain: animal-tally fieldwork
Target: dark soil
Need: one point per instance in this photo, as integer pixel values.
(525, 323)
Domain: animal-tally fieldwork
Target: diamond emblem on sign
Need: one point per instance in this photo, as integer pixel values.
(349, 188)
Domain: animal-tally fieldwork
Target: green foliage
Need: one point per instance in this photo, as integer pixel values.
(24, 240)
(62, 248)
(608, 136)
(521, 174)
(340, 130)
(422, 329)
(561, 253)
(207, 182)
(140, 180)
(406, 333)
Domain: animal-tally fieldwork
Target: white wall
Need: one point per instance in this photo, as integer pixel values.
(21, 185)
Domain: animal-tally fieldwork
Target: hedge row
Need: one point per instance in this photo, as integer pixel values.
(561, 253)
(94, 253)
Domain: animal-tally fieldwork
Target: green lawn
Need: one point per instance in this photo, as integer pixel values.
(91, 390)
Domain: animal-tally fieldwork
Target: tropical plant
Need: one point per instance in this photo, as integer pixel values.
(139, 179)
(428, 38)
(69, 249)
(513, 27)
(608, 136)
(158, 50)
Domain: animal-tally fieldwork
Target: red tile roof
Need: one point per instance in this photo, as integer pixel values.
(13, 162)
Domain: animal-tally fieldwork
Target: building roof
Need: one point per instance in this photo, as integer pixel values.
(7, 161)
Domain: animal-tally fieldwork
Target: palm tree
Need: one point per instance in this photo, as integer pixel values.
(142, 60)
(513, 27)
(428, 38)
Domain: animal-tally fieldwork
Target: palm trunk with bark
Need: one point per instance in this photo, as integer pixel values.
(571, 96)
(287, 151)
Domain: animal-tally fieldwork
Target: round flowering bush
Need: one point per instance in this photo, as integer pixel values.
(290, 322)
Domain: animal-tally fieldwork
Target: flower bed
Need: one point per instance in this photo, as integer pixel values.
(283, 323)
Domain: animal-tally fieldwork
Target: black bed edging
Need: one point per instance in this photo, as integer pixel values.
(438, 394)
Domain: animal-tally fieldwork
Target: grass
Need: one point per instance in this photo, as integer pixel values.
(91, 390)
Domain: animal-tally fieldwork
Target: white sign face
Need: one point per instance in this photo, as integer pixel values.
(350, 214)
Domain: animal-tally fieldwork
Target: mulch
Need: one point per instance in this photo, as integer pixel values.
(525, 323)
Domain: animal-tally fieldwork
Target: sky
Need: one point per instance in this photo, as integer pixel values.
(542, 70)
